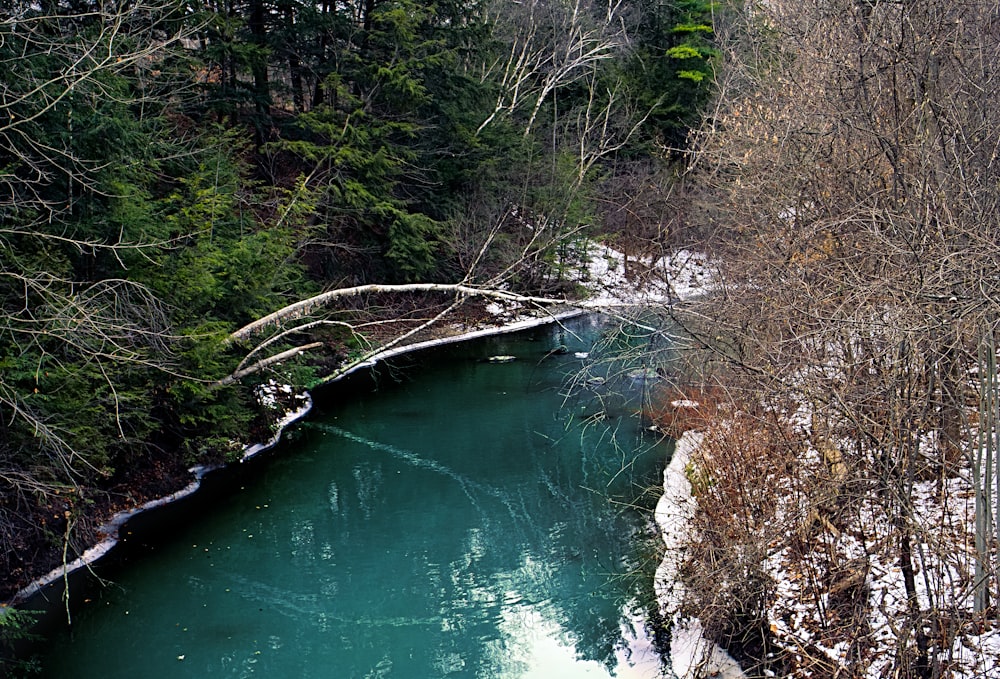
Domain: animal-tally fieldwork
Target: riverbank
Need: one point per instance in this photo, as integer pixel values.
(691, 654)
(112, 527)
(606, 275)
(784, 554)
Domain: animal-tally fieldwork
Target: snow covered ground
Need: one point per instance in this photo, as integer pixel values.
(691, 655)
(613, 282)
(944, 564)
(839, 604)
(944, 551)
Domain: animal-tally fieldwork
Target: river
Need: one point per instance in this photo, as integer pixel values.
(443, 517)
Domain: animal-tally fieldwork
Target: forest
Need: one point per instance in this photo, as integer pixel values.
(846, 519)
(175, 170)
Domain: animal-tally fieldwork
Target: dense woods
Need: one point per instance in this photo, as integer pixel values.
(172, 170)
(850, 164)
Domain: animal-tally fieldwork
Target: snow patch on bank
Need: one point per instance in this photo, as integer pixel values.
(615, 280)
(943, 513)
(691, 655)
(112, 529)
(271, 396)
(674, 512)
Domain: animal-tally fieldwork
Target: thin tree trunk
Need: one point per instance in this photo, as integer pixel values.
(983, 472)
(922, 667)
(258, 66)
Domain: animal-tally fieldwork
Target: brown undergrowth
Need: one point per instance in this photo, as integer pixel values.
(677, 409)
(765, 534)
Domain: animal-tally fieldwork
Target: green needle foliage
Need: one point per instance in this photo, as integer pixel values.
(172, 170)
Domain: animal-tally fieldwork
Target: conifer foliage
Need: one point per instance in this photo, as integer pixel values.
(171, 170)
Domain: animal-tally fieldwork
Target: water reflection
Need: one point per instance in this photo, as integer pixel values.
(457, 524)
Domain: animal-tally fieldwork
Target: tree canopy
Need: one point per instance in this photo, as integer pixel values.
(171, 170)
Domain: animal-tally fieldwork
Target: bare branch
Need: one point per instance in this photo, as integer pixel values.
(304, 307)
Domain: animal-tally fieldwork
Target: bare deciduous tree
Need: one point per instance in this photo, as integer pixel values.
(84, 47)
(549, 45)
(853, 152)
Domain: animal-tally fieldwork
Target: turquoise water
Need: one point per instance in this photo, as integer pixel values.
(458, 518)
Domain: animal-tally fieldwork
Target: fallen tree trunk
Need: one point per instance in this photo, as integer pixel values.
(303, 307)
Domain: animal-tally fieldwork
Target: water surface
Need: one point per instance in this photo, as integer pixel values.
(458, 518)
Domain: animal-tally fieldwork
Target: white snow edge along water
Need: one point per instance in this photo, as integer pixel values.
(111, 530)
(691, 655)
(681, 276)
